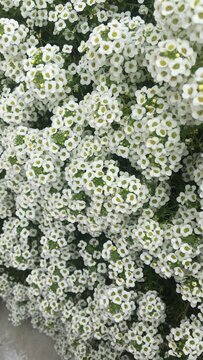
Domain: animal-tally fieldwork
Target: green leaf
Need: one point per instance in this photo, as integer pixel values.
(125, 143)
(1, 30)
(60, 137)
(79, 173)
(98, 181)
(114, 255)
(124, 193)
(2, 174)
(38, 170)
(114, 308)
(52, 245)
(54, 287)
(79, 196)
(19, 140)
(13, 160)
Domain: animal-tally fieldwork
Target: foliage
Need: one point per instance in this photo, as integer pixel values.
(101, 175)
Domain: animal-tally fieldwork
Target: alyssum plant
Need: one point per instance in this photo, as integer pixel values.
(101, 175)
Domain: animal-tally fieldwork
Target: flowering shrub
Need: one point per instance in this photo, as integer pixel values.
(101, 175)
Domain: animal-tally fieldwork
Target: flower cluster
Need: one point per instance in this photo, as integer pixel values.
(72, 16)
(116, 51)
(36, 11)
(151, 308)
(45, 76)
(14, 109)
(157, 148)
(181, 16)
(187, 340)
(171, 61)
(18, 246)
(101, 175)
(193, 93)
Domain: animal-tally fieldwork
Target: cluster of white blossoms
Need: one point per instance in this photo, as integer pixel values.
(182, 16)
(180, 251)
(101, 175)
(18, 244)
(45, 76)
(193, 93)
(157, 148)
(151, 308)
(14, 109)
(76, 16)
(187, 340)
(116, 51)
(171, 61)
(12, 37)
(15, 40)
(68, 18)
(34, 10)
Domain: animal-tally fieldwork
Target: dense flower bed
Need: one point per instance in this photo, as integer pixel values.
(101, 175)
